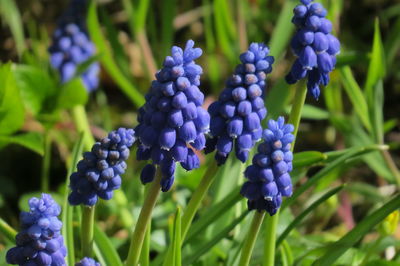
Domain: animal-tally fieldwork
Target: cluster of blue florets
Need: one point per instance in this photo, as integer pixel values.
(39, 242)
(87, 262)
(100, 170)
(268, 176)
(71, 46)
(238, 112)
(172, 117)
(314, 45)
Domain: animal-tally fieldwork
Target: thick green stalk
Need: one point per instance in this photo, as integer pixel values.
(143, 221)
(294, 119)
(87, 230)
(46, 162)
(82, 125)
(248, 245)
(197, 198)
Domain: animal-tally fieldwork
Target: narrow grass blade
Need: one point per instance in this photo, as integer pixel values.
(68, 210)
(106, 248)
(356, 95)
(356, 151)
(283, 30)
(7, 231)
(207, 246)
(11, 15)
(107, 58)
(299, 218)
(337, 249)
(167, 28)
(307, 158)
(176, 258)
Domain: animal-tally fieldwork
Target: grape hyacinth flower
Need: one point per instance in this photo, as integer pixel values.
(268, 176)
(71, 46)
(314, 46)
(39, 242)
(87, 262)
(236, 116)
(172, 122)
(100, 170)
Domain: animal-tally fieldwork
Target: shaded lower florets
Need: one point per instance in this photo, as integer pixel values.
(236, 116)
(39, 242)
(99, 172)
(268, 176)
(172, 123)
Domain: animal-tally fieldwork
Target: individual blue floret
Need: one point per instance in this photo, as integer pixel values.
(172, 123)
(99, 172)
(314, 46)
(236, 116)
(87, 262)
(40, 241)
(71, 46)
(268, 176)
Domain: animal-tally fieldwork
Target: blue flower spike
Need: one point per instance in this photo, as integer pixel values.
(40, 241)
(71, 46)
(87, 262)
(313, 45)
(172, 122)
(236, 116)
(268, 175)
(99, 172)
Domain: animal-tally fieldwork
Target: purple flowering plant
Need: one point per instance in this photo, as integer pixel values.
(211, 161)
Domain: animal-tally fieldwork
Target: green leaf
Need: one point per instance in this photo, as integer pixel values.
(299, 218)
(175, 258)
(212, 215)
(106, 247)
(377, 112)
(68, 210)
(37, 88)
(167, 28)
(307, 158)
(277, 98)
(12, 113)
(353, 152)
(377, 65)
(217, 237)
(30, 140)
(392, 45)
(107, 58)
(313, 112)
(11, 15)
(356, 96)
(72, 93)
(337, 248)
(283, 30)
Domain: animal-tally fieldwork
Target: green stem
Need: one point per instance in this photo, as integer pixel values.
(7, 230)
(294, 119)
(87, 230)
(82, 125)
(197, 198)
(144, 220)
(391, 165)
(248, 245)
(46, 162)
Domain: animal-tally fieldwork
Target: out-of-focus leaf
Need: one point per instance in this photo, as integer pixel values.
(307, 158)
(72, 93)
(277, 99)
(335, 250)
(37, 88)
(392, 44)
(349, 58)
(356, 96)
(356, 151)
(11, 107)
(106, 248)
(188, 260)
(10, 13)
(313, 112)
(286, 253)
(68, 210)
(377, 65)
(30, 140)
(304, 213)
(107, 59)
(283, 30)
(225, 30)
(167, 30)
